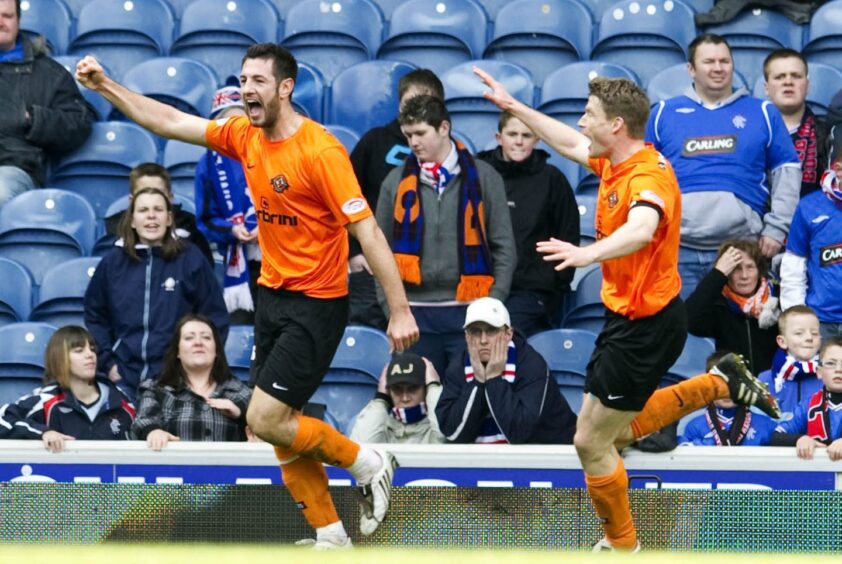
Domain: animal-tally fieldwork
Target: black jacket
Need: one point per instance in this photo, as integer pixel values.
(708, 315)
(60, 120)
(542, 205)
(530, 410)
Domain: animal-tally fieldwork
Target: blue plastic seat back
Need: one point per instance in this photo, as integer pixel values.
(218, 32)
(62, 292)
(585, 310)
(180, 160)
(186, 84)
(587, 216)
(436, 34)
(365, 95)
(49, 215)
(101, 106)
(123, 34)
(239, 350)
(344, 400)
(361, 356)
(541, 35)
(567, 352)
(112, 150)
(13, 388)
(308, 97)
(22, 353)
(675, 80)
(692, 360)
(823, 43)
(15, 291)
(471, 113)
(347, 136)
(49, 18)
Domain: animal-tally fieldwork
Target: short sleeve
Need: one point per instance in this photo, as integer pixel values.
(798, 240)
(335, 179)
(228, 136)
(648, 190)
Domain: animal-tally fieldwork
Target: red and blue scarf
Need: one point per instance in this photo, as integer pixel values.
(410, 415)
(787, 368)
(490, 432)
(818, 417)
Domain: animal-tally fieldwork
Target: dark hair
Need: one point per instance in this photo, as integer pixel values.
(424, 79)
(705, 38)
(622, 98)
(284, 65)
(835, 341)
(800, 309)
(170, 246)
(149, 169)
(57, 353)
(784, 53)
(172, 371)
(424, 109)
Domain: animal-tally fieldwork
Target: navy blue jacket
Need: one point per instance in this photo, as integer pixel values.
(53, 409)
(132, 307)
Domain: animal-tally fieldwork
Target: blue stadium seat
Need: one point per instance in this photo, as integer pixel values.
(308, 96)
(42, 227)
(571, 170)
(645, 36)
(123, 34)
(344, 400)
(675, 80)
(471, 113)
(541, 35)
(180, 160)
(823, 43)
(239, 350)
(62, 292)
(332, 36)
(15, 292)
(565, 91)
(366, 95)
(50, 18)
(347, 136)
(585, 310)
(361, 356)
(283, 6)
(587, 216)
(101, 106)
(692, 360)
(825, 82)
(387, 7)
(435, 34)
(186, 84)
(75, 6)
(99, 169)
(588, 184)
(218, 32)
(22, 353)
(12, 388)
(754, 34)
(567, 352)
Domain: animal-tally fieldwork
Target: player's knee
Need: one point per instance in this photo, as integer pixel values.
(586, 447)
(271, 425)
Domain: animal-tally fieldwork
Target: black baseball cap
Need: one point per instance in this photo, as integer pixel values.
(406, 368)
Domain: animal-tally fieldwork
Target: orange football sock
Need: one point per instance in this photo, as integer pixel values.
(674, 402)
(610, 497)
(318, 440)
(306, 481)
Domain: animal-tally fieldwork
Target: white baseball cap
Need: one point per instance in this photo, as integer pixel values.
(488, 310)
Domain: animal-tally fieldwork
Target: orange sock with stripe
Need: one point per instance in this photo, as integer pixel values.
(610, 497)
(318, 440)
(306, 481)
(674, 402)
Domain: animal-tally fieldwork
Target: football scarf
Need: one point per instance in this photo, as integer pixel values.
(410, 415)
(786, 368)
(490, 433)
(719, 423)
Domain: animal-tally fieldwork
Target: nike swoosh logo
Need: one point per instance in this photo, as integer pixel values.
(611, 398)
(680, 401)
(249, 165)
(277, 387)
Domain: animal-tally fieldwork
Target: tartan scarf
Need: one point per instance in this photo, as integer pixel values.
(490, 432)
(755, 305)
(818, 417)
(787, 368)
(408, 232)
(728, 431)
(410, 415)
(806, 146)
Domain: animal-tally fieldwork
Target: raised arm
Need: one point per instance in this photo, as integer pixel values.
(158, 118)
(569, 143)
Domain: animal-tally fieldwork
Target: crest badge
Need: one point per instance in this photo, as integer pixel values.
(280, 184)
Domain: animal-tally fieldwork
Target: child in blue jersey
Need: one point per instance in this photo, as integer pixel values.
(817, 421)
(725, 423)
(793, 375)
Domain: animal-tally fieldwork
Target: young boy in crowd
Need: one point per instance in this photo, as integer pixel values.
(793, 375)
(817, 421)
(724, 423)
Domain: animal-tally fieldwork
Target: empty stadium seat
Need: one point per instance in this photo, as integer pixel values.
(645, 36)
(755, 33)
(12, 388)
(471, 113)
(567, 352)
(49, 18)
(675, 80)
(585, 309)
(823, 43)
(41, 228)
(332, 36)
(22, 353)
(347, 136)
(123, 34)
(283, 6)
(587, 216)
(239, 350)
(180, 160)
(15, 292)
(99, 169)
(101, 106)
(361, 356)
(366, 95)
(436, 34)
(541, 35)
(218, 32)
(565, 91)
(186, 84)
(308, 96)
(62, 292)
(692, 360)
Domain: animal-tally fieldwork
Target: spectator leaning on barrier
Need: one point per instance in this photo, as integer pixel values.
(403, 411)
(73, 403)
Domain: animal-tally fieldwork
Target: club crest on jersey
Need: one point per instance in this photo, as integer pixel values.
(280, 184)
(613, 198)
(739, 121)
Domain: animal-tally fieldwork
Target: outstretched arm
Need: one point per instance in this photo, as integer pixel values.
(569, 143)
(158, 118)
